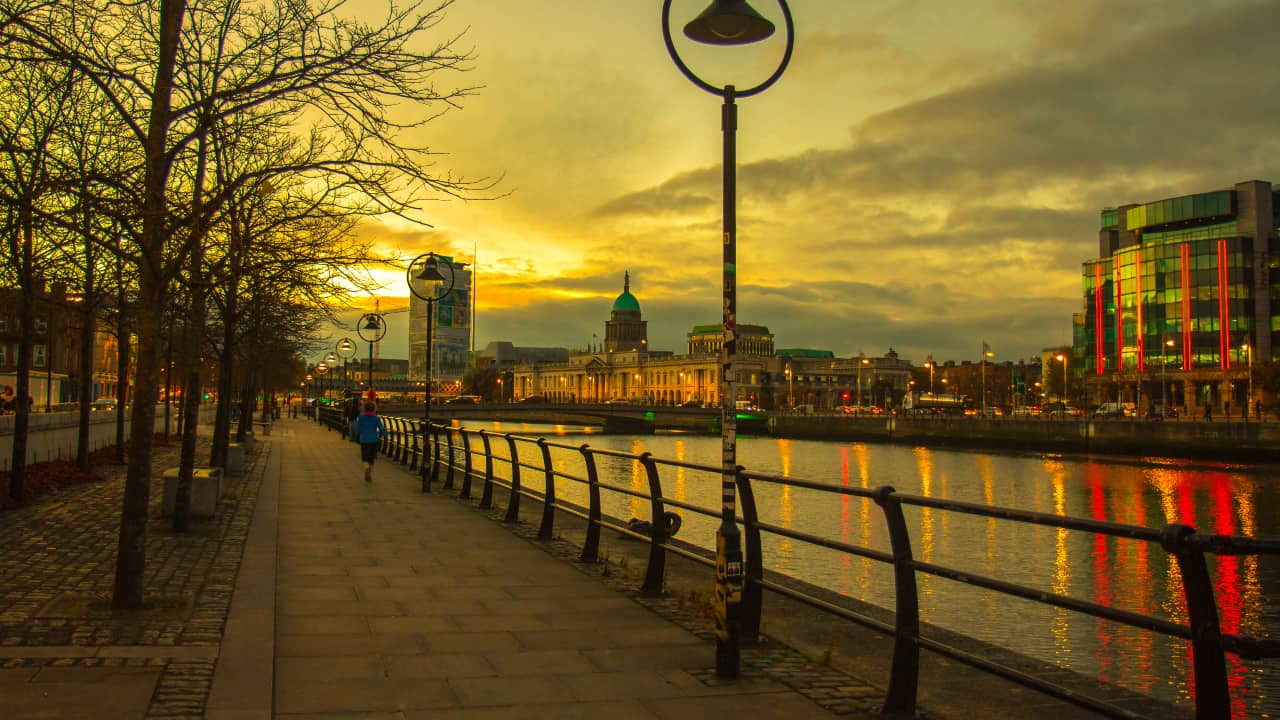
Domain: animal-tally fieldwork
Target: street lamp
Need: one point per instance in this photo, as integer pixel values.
(728, 22)
(1164, 387)
(331, 361)
(1248, 398)
(346, 349)
(791, 399)
(371, 328)
(861, 361)
(929, 363)
(431, 286)
(1065, 396)
(321, 370)
(986, 353)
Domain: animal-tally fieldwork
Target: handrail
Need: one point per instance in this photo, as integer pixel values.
(1182, 543)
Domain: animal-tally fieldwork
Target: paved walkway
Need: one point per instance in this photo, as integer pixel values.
(392, 604)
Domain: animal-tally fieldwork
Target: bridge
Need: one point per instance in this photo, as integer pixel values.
(612, 418)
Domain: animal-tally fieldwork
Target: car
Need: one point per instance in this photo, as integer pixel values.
(532, 399)
(690, 404)
(104, 404)
(1109, 410)
(463, 400)
(617, 401)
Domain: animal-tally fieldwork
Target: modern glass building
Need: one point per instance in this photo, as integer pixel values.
(1184, 295)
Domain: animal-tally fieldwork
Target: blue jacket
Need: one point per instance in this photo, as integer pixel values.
(370, 428)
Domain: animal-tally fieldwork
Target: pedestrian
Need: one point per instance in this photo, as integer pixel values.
(370, 430)
(1208, 412)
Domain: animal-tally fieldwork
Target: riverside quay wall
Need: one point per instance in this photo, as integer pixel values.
(1220, 440)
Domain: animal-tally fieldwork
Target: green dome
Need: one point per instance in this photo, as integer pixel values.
(626, 301)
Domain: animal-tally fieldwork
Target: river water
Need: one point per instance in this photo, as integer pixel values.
(1227, 499)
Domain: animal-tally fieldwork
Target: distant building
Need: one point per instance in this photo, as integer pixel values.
(55, 353)
(624, 367)
(451, 344)
(1184, 292)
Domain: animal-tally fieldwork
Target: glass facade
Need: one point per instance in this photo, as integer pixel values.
(1181, 297)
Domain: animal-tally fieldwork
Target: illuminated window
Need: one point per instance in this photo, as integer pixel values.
(37, 356)
(41, 324)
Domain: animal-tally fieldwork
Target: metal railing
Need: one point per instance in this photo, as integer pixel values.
(454, 450)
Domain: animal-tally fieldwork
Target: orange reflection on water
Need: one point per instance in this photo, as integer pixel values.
(924, 464)
(680, 472)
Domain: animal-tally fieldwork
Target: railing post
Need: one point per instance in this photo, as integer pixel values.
(752, 603)
(402, 441)
(656, 570)
(465, 492)
(513, 502)
(591, 544)
(413, 452)
(448, 478)
(435, 452)
(1212, 698)
(396, 435)
(486, 496)
(428, 462)
(547, 527)
(904, 677)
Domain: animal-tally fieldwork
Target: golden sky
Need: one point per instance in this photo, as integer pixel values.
(925, 175)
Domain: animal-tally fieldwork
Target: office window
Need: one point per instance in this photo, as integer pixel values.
(4, 355)
(41, 324)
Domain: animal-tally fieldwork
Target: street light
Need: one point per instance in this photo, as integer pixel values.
(371, 328)
(331, 361)
(1248, 398)
(728, 22)
(1164, 387)
(321, 370)
(346, 349)
(791, 400)
(929, 363)
(431, 287)
(986, 353)
(861, 361)
(1065, 396)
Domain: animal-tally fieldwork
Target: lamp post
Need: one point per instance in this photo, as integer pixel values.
(791, 398)
(929, 363)
(1248, 398)
(346, 349)
(331, 360)
(321, 370)
(371, 328)
(728, 22)
(1164, 386)
(1065, 396)
(861, 361)
(986, 353)
(430, 287)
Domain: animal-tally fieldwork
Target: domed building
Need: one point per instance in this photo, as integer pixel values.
(625, 331)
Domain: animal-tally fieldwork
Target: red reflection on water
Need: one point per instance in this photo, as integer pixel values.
(1227, 584)
(1103, 593)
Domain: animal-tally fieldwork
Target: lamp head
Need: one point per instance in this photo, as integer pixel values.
(728, 22)
(372, 324)
(431, 271)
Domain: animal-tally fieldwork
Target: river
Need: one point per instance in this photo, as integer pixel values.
(1226, 498)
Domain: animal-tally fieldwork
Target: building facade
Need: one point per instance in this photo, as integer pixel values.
(1181, 299)
(624, 368)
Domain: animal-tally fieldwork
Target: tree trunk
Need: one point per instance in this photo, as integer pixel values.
(26, 331)
(131, 554)
(87, 331)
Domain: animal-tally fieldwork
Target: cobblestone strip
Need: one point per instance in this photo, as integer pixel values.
(836, 692)
(57, 564)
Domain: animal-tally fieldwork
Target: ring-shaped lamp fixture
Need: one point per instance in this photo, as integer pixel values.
(717, 9)
(429, 274)
(371, 327)
(346, 348)
(321, 368)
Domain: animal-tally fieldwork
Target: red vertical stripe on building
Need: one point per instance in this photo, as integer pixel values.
(1186, 306)
(1119, 321)
(1224, 319)
(1137, 295)
(1098, 309)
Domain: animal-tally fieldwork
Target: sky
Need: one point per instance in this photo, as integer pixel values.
(924, 176)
